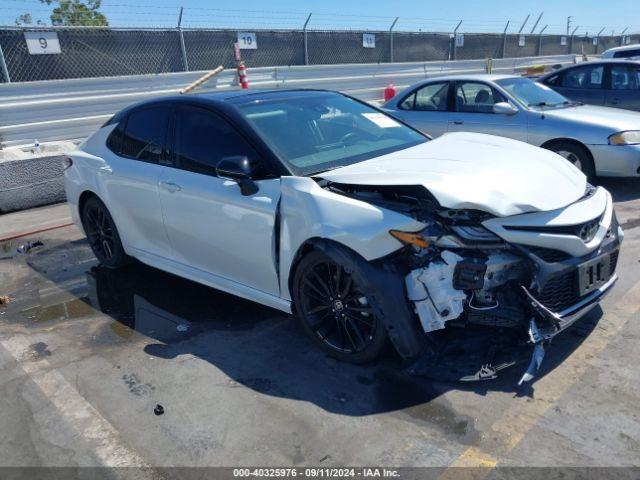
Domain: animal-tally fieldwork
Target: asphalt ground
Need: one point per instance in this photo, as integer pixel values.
(87, 354)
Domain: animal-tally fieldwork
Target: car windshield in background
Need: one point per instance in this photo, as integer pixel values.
(533, 94)
(320, 132)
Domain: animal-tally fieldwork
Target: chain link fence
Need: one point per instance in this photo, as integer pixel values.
(104, 52)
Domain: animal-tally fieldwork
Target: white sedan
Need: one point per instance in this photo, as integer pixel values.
(317, 204)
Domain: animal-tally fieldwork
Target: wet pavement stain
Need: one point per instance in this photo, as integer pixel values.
(39, 350)
(136, 387)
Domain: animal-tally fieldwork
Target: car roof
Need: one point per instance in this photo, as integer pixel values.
(244, 96)
(491, 77)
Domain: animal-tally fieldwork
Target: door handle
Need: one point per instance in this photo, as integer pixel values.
(458, 122)
(172, 187)
(106, 170)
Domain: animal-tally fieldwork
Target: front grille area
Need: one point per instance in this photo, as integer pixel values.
(614, 262)
(549, 255)
(560, 292)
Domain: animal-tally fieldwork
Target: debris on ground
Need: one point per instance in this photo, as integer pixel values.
(158, 410)
(25, 247)
(4, 299)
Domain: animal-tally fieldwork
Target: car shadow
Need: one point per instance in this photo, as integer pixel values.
(258, 347)
(621, 189)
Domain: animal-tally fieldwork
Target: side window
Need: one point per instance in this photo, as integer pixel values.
(408, 102)
(203, 139)
(625, 77)
(476, 97)
(588, 77)
(114, 140)
(432, 97)
(554, 80)
(145, 134)
(627, 53)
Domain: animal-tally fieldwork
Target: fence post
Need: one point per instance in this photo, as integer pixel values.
(304, 34)
(622, 36)
(3, 65)
(571, 38)
(504, 41)
(540, 40)
(454, 48)
(185, 64)
(391, 40)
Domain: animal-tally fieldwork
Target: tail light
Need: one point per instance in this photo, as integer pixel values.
(66, 162)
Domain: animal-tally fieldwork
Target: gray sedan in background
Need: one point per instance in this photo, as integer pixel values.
(598, 140)
(613, 83)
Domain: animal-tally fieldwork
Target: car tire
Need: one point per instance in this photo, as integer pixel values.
(102, 234)
(576, 154)
(334, 312)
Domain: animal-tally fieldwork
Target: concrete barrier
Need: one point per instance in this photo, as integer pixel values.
(28, 183)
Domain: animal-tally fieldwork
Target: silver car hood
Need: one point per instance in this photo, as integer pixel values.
(616, 119)
(475, 171)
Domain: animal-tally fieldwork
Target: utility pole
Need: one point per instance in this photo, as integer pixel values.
(304, 36)
(537, 21)
(391, 39)
(455, 39)
(568, 24)
(185, 64)
(571, 38)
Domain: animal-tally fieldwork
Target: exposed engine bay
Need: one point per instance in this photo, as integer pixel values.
(458, 273)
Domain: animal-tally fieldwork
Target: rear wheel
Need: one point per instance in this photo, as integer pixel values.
(335, 312)
(102, 234)
(577, 155)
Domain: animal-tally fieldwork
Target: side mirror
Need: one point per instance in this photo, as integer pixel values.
(504, 108)
(240, 170)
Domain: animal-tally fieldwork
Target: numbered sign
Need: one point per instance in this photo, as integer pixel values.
(247, 41)
(521, 40)
(563, 41)
(368, 40)
(42, 43)
(459, 40)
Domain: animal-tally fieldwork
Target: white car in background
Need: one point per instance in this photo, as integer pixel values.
(598, 140)
(317, 204)
(627, 51)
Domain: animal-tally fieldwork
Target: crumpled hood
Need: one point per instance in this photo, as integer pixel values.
(613, 119)
(475, 171)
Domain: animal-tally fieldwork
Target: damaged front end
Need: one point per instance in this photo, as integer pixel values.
(458, 273)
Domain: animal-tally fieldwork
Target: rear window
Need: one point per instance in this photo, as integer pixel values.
(144, 136)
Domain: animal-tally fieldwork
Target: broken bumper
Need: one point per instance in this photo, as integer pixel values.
(562, 320)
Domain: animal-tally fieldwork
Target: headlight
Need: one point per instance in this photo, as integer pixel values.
(630, 137)
(410, 238)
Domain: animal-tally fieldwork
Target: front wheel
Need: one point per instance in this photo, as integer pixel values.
(335, 312)
(577, 155)
(102, 234)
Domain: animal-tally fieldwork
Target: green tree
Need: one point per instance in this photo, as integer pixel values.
(24, 19)
(77, 12)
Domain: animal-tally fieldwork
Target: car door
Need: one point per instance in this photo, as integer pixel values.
(426, 108)
(473, 112)
(623, 88)
(212, 227)
(584, 83)
(136, 156)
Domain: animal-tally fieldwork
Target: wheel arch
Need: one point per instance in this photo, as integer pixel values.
(385, 287)
(549, 143)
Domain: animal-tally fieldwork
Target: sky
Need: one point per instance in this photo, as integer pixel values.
(589, 16)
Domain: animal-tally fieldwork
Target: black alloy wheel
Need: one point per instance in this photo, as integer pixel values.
(335, 312)
(102, 234)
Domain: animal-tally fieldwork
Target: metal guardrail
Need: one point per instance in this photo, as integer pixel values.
(71, 109)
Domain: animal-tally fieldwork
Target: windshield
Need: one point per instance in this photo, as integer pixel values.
(531, 93)
(320, 132)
